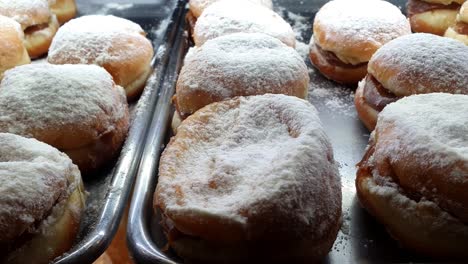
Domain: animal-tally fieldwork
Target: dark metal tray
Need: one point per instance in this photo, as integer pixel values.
(110, 188)
(360, 240)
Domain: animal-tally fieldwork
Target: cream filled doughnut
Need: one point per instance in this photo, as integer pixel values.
(238, 65)
(41, 201)
(266, 186)
(413, 64)
(432, 16)
(347, 33)
(117, 44)
(459, 30)
(76, 108)
(226, 17)
(12, 50)
(36, 20)
(414, 176)
(63, 9)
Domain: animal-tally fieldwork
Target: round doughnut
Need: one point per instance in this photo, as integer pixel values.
(198, 6)
(266, 185)
(413, 64)
(414, 176)
(347, 33)
(36, 20)
(12, 50)
(432, 16)
(239, 64)
(76, 108)
(41, 201)
(117, 44)
(227, 17)
(459, 31)
(63, 9)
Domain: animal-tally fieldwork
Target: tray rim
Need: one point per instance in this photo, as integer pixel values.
(140, 244)
(124, 172)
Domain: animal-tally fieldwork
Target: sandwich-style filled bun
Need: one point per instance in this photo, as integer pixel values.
(238, 65)
(347, 33)
(226, 17)
(63, 9)
(459, 30)
(414, 176)
(12, 50)
(117, 44)
(76, 108)
(413, 64)
(432, 16)
(41, 201)
(36, 20)
(266, 187)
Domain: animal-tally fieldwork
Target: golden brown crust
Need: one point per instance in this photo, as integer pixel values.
(463, 14)
(367, 114)
(345, 75)
(13, 53)
(413, 223)
(434, 22)
(37, 42)
(451, 33)
(64, 10)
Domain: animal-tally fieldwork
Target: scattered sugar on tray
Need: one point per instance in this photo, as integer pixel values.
(110, 7)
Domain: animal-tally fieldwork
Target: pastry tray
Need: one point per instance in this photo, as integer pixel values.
(360, 240)
(109, 189)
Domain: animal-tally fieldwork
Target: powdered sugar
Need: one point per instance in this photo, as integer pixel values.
(243, 64)
(437, 122)
(256, 155)
(26, 12)
(201, 5)
(226, 17)
(423, 63)
(92, 40)
(34, 177)
(45, 97)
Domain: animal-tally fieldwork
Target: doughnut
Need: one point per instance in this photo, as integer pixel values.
(12, 50)
(76, 108)
(347, 33)
(239, 64)
(63, 9)
(117, 44)
(41, 201)
(459, 30)
(414, 175)
(226, 17)
(266, 188)
(432, 16)
(36, 20)
(414, 64)
(196, 8)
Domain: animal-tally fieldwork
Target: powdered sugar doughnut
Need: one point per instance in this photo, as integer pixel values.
(198, 6)
(266, 185)
(413, 64)
(75, 108)
(351, 31)
(36, 20)
(41, 200)
(227, 17)
(13, 52)
(414, 175)
(238, 65)
(117, 44)
(63, 9)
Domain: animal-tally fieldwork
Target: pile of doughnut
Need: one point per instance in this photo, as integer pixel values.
(59, 119)
(249, 175)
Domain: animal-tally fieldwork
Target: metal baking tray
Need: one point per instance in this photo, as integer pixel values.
(110, 188)
(360, 240)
